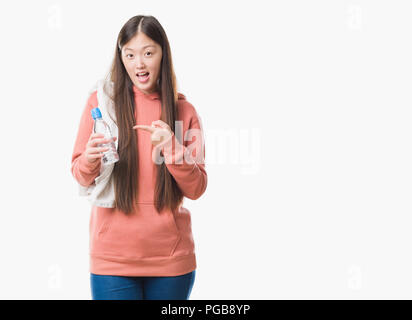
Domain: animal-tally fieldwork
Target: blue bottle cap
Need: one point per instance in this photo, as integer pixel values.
(96, 113)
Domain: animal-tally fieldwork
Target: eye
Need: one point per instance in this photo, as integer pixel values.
(128, 54)
(149, 52)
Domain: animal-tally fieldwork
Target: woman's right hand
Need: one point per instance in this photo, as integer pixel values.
(93, 152)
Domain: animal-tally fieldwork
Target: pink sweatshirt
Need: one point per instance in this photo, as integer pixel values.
(145, 243)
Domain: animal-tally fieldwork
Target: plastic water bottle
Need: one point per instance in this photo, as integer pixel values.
(100, 126)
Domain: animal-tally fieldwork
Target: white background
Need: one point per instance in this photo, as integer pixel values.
(306, 108)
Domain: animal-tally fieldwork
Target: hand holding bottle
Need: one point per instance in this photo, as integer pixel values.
(93, 151)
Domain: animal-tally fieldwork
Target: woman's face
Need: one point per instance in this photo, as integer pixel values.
(142, 55)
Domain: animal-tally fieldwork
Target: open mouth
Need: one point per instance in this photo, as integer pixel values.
(143, 76)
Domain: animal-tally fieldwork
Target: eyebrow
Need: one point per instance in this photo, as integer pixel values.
(150, 45)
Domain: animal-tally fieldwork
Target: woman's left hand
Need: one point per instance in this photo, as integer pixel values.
(159, 129)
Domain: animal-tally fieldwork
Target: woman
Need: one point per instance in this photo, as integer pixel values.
(143, 248)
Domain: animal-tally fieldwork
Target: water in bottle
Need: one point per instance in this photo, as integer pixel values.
(100, 126)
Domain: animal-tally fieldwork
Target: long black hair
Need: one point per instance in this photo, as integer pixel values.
(167, 193)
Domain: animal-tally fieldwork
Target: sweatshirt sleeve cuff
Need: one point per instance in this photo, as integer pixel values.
(87, 167)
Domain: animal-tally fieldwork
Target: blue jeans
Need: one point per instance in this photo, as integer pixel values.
(105, 287)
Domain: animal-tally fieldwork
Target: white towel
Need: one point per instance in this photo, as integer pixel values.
(101, 192)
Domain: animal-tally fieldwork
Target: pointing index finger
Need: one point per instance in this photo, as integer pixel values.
(144, 127)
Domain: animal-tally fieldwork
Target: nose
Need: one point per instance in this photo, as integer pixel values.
(139, 64)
